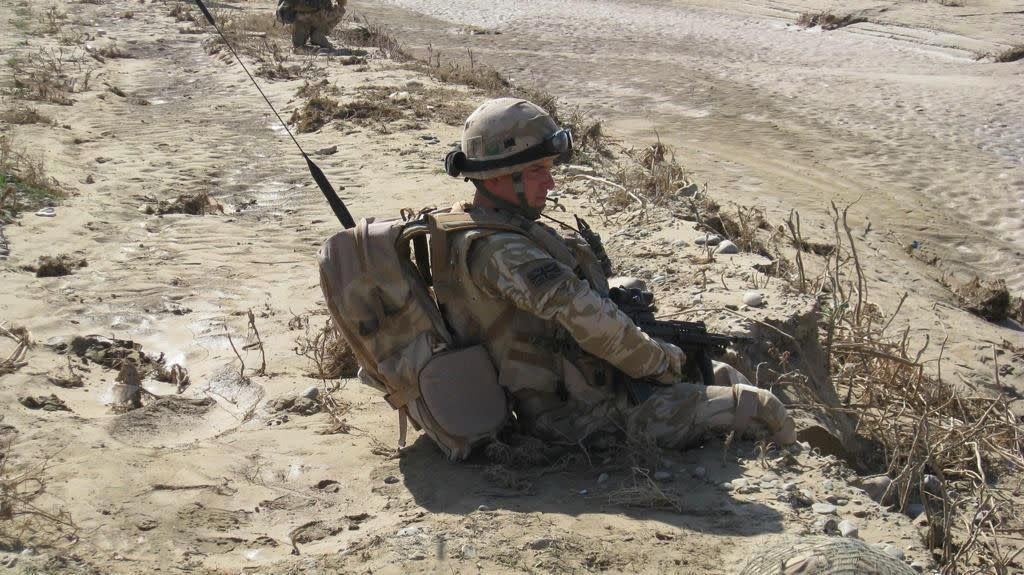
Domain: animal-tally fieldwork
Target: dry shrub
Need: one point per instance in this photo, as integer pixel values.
(23, 342)
(989, 300)
(330, 353)
(56, 266)
(1011, 54)
(589, 141)
(828, 20)
(23, 522)
(921, 424)
(50, 75)
(22, 114)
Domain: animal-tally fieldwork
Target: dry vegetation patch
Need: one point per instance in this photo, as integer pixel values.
(1011, 54)
(24, 183)
(24, 521)
(50, 75)
(828, 20)
(22, 114)
(198, 204)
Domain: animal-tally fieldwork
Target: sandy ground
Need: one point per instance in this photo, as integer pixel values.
(216, 481)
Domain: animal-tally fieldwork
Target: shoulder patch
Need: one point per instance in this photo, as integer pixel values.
(543, 272)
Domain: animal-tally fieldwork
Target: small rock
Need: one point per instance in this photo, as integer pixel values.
(28, 551)
(390, 480)
(542, 543)
(146, 524)
(841, 501)
(468, 551)
(417, 557)
(848, 529)
(584, 492)
(663, 476)
(726, 486)
(602, 478)
(932, 485)
(894, 551)
(827, 485)
(413, 84)
(876, 488)
(919, 566)
(680, 244)
(408, 531)
(727, 247)
(90, 179)
(312, 392)
(753, 299)
(860, 513)
(483, 508)
(699, 472)
(823, 508)
(399, 96)
(828, 526)
(327, 151)
(709, 240)
(914, 510)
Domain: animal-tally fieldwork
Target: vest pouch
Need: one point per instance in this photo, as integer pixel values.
(461, 392)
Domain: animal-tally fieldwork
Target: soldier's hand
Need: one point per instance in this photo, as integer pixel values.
(673, 373)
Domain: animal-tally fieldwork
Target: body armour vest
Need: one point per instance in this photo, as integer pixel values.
(553, 382)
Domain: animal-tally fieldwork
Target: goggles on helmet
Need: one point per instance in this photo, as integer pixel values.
(557, 144)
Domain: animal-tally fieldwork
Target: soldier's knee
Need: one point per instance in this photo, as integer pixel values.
(728, 375)
(757, 410)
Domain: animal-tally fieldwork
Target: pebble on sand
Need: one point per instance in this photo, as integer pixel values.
(823, 508)
(753, 299)
(848, 529)
(727, 247)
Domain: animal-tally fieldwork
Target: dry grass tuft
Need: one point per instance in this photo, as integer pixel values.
(23, 522)
(364, 33)
(24, 183)
(646, 493)
(50, 75)
(23, 114)
(329, 352)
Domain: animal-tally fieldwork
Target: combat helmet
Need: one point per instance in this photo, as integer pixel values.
(503, 137)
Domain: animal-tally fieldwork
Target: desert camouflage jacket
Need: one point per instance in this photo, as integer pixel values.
(537, 301)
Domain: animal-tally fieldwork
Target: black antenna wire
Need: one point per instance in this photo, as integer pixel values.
(337, 205)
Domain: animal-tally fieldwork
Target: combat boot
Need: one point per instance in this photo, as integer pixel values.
(300, 33)
(319, 38)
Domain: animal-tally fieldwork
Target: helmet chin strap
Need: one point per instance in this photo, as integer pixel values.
(522, 207)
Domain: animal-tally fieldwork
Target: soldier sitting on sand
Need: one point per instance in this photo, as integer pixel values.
(311, 20)
(538, 302)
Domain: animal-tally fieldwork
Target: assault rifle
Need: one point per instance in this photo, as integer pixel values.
(690, 336)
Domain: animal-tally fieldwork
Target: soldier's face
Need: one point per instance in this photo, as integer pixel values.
(537, 182)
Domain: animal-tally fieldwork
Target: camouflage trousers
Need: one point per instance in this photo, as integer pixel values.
(314, 26)
(678, 416)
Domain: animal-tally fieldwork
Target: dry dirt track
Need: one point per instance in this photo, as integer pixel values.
(894, 112)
